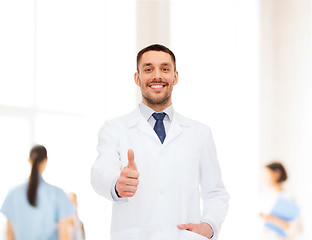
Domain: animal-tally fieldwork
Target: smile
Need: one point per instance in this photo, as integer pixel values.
(157, 86)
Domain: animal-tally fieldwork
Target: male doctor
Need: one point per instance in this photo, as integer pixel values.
(155, 164)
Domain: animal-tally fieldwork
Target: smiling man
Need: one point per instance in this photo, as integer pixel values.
(156, 75)
(155, 165)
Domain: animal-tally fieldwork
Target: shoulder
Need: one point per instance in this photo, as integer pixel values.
(55, 189)
(50, 192)
(55, 194)
(15, 197)
(126, 119)
(111, 125)
(287, 194)
(17, 190)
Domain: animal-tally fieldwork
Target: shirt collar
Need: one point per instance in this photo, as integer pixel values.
(147, 111)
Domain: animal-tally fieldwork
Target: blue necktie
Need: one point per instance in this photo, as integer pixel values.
(159, 127)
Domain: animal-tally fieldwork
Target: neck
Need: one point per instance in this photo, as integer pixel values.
(278, 187)
(157, 107)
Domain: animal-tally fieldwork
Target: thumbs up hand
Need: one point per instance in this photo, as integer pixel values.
(128, 180)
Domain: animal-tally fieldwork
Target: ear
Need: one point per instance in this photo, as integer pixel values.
(175, 78)
(137, 79)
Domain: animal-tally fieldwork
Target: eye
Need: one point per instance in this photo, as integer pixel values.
(147, 70)
(165, 69)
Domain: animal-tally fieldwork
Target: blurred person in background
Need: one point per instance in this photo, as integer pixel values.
(36, 210)
(280, 212)
(76, 228)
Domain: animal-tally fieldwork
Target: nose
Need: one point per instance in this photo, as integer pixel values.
(157, 75)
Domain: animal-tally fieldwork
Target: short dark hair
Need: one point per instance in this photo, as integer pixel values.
(277, 166)
(156, 47)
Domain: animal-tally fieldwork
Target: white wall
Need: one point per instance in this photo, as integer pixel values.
(68, 65)
(286, 94)
(217, 52)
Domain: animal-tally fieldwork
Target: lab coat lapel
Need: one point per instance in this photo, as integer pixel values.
(137, 120)
(175, 129)
(146, 128)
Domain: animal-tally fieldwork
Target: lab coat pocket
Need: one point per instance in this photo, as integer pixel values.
(129, 234)
(188, 235)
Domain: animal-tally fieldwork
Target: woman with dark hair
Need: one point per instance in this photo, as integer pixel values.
(37, 210)
(281, 215)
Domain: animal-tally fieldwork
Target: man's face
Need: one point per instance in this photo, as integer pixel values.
(156, 78)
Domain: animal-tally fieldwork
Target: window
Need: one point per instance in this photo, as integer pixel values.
(63, 63)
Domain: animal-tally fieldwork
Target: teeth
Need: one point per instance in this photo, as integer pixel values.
(156, 86)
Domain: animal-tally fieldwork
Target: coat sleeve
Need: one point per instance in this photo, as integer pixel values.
(215, 197)
(107, 167)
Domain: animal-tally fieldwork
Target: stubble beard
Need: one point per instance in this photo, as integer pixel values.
(157, 102)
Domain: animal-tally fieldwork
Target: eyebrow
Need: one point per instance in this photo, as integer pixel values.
(150, 64)
(146, 64)
(165, 64)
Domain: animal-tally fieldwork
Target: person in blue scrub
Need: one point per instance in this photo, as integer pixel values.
(280, 212)
(37, 210)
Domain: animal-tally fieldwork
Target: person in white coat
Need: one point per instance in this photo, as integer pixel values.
(155, 169)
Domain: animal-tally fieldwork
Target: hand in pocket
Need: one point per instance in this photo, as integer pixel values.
(203, 229)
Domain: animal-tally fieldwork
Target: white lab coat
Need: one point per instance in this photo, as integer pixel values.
(173, 177)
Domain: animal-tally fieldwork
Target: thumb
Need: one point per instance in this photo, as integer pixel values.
(188, 226)
(131, 163)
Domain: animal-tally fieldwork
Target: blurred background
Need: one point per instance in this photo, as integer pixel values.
(245, 70)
